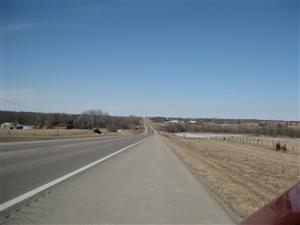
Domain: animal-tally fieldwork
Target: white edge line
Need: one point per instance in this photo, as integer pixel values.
(35, 191)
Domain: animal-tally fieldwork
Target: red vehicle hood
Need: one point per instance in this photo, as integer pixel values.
(283, 210)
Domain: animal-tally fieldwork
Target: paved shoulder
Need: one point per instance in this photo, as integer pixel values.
(144, 185)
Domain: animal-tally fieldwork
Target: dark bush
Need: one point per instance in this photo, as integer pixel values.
(70, 124)
(283, 148)
(97, 131)
(277, 147)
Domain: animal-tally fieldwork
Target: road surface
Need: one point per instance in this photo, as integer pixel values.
(27, 165)
(144, 184)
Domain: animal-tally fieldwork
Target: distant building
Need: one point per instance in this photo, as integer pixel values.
(192, 121)
(12, 126)
(173, 121)
(7, 126)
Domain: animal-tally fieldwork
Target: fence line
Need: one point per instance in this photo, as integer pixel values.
(275, 145)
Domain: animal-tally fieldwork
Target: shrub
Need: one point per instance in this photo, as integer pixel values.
(97, 131)
(278, 146)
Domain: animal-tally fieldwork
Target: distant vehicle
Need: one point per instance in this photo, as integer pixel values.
(19, 126)
(284, 210)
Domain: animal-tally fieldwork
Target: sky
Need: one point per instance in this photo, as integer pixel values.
(224, 59)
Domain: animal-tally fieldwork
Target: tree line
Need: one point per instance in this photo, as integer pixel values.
(88, 119)
(263, 128)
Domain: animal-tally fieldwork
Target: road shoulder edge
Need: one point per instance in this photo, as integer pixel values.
(205, 184)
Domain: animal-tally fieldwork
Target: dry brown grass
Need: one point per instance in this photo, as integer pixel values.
(7, 135)
(40, 134)
(244, 177)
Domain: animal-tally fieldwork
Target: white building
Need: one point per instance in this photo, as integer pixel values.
(11, 126)
(7, 126)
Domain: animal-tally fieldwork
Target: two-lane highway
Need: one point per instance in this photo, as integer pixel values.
(28, 165)
(143, 182)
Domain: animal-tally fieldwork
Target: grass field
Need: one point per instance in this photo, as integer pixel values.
(43, 134)
(243, 176)
(291, 144)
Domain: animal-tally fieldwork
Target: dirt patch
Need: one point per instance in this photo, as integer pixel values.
(244, 177)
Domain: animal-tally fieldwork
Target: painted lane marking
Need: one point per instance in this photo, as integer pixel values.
(35, 191)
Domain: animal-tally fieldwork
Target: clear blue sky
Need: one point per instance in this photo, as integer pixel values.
(199, 59)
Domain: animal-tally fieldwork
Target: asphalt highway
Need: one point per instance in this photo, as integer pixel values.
(27, 165)
(138, 180)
